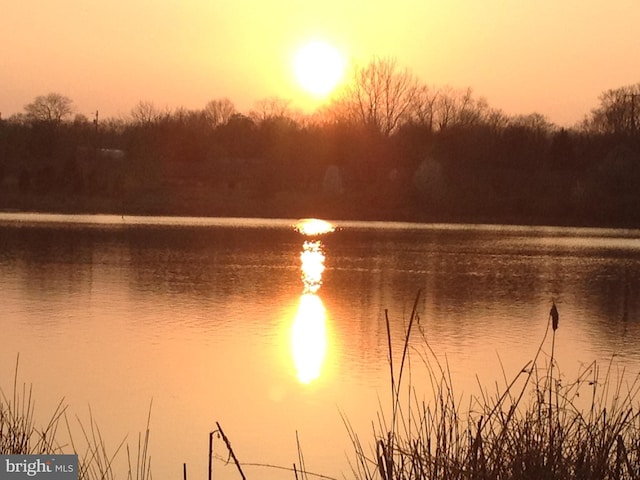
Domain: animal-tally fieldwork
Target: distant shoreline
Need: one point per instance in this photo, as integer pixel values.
(111, 218)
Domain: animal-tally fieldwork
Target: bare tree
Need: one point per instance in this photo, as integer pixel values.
(496, 119)
(535, 122)
(379, 96)
(145, 113)
(471, 111)
(619, 111)
(445, 108)
(423, 110)
(271, 107)
(219, 111)
(459, 107)
(52, 108)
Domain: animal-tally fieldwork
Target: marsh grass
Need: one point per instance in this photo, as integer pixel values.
(18, 432)
(21, 434)
(534, 427)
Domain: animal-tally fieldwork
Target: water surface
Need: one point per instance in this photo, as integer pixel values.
(210, 319)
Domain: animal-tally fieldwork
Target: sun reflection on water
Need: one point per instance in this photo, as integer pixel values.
(309, 338)
(312, 227)
(312, 259)
(309, 332)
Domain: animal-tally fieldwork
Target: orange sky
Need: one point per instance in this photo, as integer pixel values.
(548, 56)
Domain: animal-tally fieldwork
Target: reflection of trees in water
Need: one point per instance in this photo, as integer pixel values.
(190, 263)
(211, 263)
(471, 285)
(56, 262)
(612, 290)
(475, 288)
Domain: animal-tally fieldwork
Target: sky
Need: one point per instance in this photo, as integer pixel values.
(553, 57)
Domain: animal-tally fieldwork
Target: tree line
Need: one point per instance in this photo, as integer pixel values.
(386, 146)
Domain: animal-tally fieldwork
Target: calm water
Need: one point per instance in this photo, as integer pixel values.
(209, 319)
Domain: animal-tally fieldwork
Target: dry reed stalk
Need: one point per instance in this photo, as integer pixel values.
(303, 467)
(143, 460)
(507, 437)
(230, 450)
(554, 318)
(18, 432)
(19, 435)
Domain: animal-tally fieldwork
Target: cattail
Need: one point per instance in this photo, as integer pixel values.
(554, 316)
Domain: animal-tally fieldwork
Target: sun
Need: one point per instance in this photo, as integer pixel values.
(318, 67)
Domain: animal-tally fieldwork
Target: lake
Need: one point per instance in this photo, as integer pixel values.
(211, 321)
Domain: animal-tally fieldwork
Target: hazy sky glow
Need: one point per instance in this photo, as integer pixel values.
(548, 56)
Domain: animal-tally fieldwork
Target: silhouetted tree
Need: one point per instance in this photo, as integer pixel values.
(378, 96)
(271, 107)
(51, 108)
(386, 146)
(218, 112)
(458, 108)
(237, 138)
(619, 111)
(562, 150)
(145, 113)
(423, 110)
(182, 135)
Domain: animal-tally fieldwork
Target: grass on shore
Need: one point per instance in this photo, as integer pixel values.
(20, 435)
(536, 427)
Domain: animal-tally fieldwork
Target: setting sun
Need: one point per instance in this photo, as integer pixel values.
(318, 67)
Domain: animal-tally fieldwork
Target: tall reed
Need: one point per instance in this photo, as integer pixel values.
(20, 434)
(532, 428)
